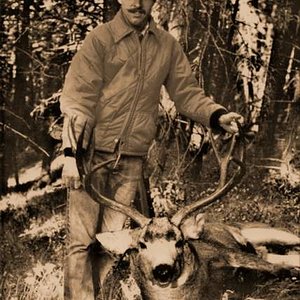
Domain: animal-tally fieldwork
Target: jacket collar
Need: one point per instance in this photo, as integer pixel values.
(121, 28)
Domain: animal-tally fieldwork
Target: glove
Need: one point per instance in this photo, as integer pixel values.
(70, 174)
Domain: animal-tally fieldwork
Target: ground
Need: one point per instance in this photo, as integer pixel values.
(33, 228)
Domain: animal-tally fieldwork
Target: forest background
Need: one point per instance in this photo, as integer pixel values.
(245, 54)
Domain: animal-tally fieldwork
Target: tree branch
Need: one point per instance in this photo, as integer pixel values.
(28, 139)
(16, 116)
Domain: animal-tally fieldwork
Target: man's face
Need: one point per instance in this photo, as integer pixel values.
(136, 11)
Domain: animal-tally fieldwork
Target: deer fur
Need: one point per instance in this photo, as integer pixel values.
(170, 262)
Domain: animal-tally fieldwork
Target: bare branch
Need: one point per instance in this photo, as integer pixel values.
(16, 116)
(28, 139)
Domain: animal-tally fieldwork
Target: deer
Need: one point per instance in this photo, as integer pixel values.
(172, 257)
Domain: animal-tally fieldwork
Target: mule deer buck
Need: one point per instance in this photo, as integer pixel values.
(173, 258)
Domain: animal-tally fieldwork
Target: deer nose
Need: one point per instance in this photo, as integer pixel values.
(163, 273)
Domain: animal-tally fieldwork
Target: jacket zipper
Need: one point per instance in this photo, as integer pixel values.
(141, 75)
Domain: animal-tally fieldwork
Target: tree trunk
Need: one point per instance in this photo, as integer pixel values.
(290, 168)
(3, 79)
(3, 177)
(278, 130)
(23, 61)
(253, 40)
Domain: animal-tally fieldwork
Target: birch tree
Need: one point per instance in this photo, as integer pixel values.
(277, 147)
(4, 80)
(253, 39)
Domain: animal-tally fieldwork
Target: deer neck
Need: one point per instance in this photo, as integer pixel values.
(191, 268)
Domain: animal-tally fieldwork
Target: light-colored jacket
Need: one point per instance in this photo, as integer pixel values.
(114, 84)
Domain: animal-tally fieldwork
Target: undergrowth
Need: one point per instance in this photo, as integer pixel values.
(33, 228)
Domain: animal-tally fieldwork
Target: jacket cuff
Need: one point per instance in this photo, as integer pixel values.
(214, 119)
(68, 152)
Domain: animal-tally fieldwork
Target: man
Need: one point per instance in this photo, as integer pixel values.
(113, 85)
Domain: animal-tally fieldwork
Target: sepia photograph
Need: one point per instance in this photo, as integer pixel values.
(150, 150)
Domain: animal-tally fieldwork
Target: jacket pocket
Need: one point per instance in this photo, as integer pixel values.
(143, 129)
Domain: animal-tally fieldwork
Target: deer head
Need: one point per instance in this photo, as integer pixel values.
(161, 246)
(161, 243)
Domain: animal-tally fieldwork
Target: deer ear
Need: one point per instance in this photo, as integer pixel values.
(192, 226)
(118, 242)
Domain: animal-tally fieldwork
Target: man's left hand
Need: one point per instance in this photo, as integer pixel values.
(229, 122)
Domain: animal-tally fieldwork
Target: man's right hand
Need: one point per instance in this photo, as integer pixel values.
(70, 174)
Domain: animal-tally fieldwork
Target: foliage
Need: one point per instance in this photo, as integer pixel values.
(45, 37)
(32, 239)
(229, 53)
(168, 198)
(38, 41)
(43, 282)
(40, 228)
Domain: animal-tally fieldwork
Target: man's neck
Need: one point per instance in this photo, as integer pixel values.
(143, 32)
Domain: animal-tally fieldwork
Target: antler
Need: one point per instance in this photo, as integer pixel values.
(86, 176)
(223, 187)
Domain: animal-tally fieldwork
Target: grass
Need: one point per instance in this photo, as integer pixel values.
(31, 244)
(32, 228)
(43, 282)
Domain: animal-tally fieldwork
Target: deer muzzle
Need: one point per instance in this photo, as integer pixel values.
(165, 274)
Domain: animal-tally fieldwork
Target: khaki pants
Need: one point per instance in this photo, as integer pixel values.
(86, 218)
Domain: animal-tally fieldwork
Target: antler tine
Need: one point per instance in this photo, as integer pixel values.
(223, 187)
(71, 133)
(79, 154)
(226, 159)
(117, 206)
(86, 177)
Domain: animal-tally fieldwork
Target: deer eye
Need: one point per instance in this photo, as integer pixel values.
(179, 244)
(142, 245)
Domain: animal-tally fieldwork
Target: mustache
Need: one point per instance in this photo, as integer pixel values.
(136, 10)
